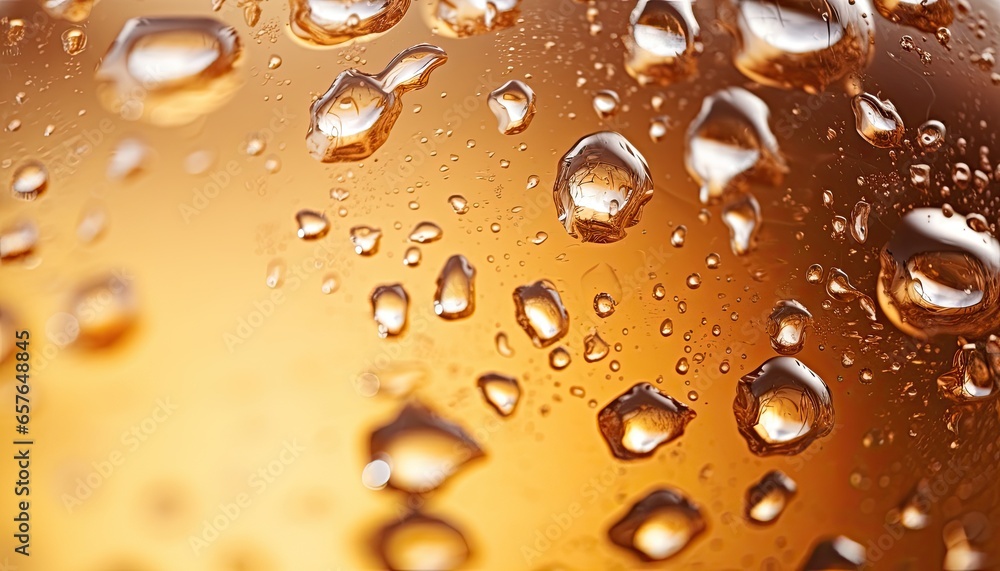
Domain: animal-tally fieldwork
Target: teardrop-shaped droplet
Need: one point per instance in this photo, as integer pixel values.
(559, 358)
(602, 186)
(502, 343)
(513, 104)
(914, 512)
(456, 292)
(390, 305)
(641, 420)
(877, 121)
(541, 313)
(786, 326)
(500, 391)
(331, 22)
(730, 144)
(354, 117)
(767, 498)
(412, 257)
(659, 525)
(662, 41)
(425, 233)
(742, 216)
(275, 274)
(782, 407)
(366, 240)
(312, 225)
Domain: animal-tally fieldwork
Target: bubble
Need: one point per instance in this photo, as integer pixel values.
(641, 420)
(513, 104)
(786, 326)
(659, 525)
(417, 541)
(730, 144)
(366, 240)
(465, 18)
(559, 358)
(799, 44)
(170, 70)
(104, 309)
(940, 277)
(836, 553)
(425, 233)
(353, 118)
(766, 499)
(30, 180)
(74, 41)
(18, 240)
(742, 216)
(603, 184)
(606, 103)
(782, 407)
(455, 295)
(925, 15)
(312, 225)
(331, 22)
(390, 304)
(877, 121)
(500, 391)
(604, 305)
(662, 41)
(541, 313)
(595, 348)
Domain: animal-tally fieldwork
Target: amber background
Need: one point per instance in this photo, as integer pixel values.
(295, 377)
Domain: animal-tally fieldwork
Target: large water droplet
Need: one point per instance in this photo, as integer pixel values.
(541, 313)
(662, 41)
(464, 18)
(730, 144)
(354, 117)
(766, 499)
(513, 104)
(170, 70)
(782, 407)
(390, 304)
(802, 44)
(642, 419)
(939, 276)
(742, 216)
(877, 121)
(603, 184)
(926, 15)
(500, 391)
(422, 449)
(456, 292)
(659, 525)
(787, 326)
(330, 22)
(418, 541)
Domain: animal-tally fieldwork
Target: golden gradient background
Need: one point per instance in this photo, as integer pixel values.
(294, 378)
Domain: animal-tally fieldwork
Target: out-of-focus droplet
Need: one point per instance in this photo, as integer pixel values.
(513, 104)
(939, 276)
(859, 221)
(30, 180)
(662, 41)
(128, 158)
(500, 391)
(18, 239)
(71, 10)
(417, 541)
(331, 22)
(390, 305)
(93, 222)
(742, 216)
(366, 240)
(330, 284)
(799, 44)
(606, 103)
(786, 326)
(782, 407)
(604, 304)
(657, 129)
(170, 70)
(104, 309)
(641, 420)
(594, 348)
(603, 184)
(914, 512)
(275, 273)
(541, 313)
(767, 498)
(925, 15)
(730, 144)
(312, 225)
(425, 233)
(376, 474)
(931, 135)
(968, 541)
(412, 257)
(456, 292)
(464, 18)
(74, 41)
(975, 372)
(659, 525)
(877, 121)
(354, 117)
(836, 553)
(458, 203)
(559, 358)
(422, 448)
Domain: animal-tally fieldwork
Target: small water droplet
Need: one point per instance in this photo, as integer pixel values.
(312, 225)
(366, 240)
(541, 313)
(390, 305)
(500, 391)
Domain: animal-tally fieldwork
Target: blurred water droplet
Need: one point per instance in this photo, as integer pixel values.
(92, 225)
(767, 498)
(412, 257)
(662, 41)
(975, 372)
(74, 41)
(127, 159)
(18, 239)
(503, 345)
(742, 217)
(104, 308)
(659, 525)
(604, 305)
(30, 180)
(464, 18)
(330, 284)
(500, 391)
(376, 474)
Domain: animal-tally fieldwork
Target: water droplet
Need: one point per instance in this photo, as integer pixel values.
(730, 144)
(766, 499)
(926, 15)
(331, 22)
(455, 296)
(931, 135)
(975, 372)
(662, 41)
(787, 326)
(312, 225)
(422, 448)
(782, 407)
(742, 217)
(71, 10)
(559, 358)
(659, 292)
(603, 184)
(836, 553)
(606, 103)
(594, 348)
(604, 304)
(667, 327)
(30, 180)
(16, 240)
(418, 541)
(458, 203)
(390, 304)
(540, 237)
(354, 117)
(170, 70)
(541, 313)
(274, 62)
(464, 18)
(412, 257)
(500, 391)
(330, 284)
(425, 233)
(920, 175)
(859, 221)
(74, 41)
(802, 45)
(678, 236)
(657, 128)
(93, 222)
(659, 525)
(839, 287)
(642, 419)
(877, 121)
(366, 240)
(275, 274)
(104, 309)
(693, 281)
(938, 276)
(513, 104)
(376, 474)
(814, 274)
